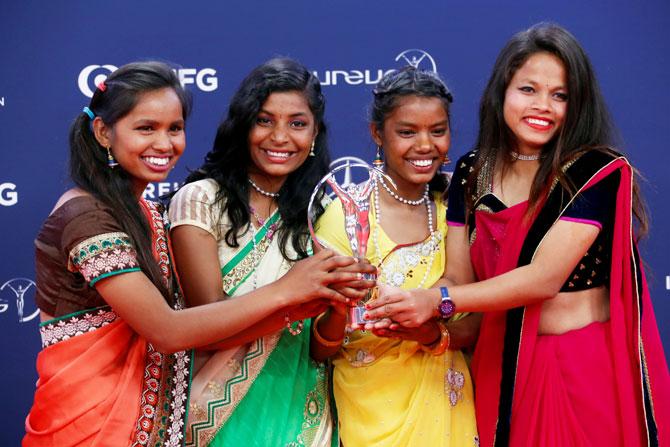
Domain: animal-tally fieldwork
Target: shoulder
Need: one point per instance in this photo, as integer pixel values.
(587, 163)
(467, 160)
(204, 190)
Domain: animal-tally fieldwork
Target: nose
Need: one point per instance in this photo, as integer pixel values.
(424, 141)
(279, 134)
(542, 102)
(163, 141)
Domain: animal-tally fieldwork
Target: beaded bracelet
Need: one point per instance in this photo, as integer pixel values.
(289, 326)
(442, 344)
(322, 341)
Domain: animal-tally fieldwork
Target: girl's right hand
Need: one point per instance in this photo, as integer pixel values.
(311, 277)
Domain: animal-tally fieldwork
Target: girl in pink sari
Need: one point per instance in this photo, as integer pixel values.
(541, 239)
(113, 370)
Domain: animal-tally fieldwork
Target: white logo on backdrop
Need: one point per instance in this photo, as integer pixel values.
(8, 194)
(414, 57)
(2, 101)
(418, 59)
(348, 178)
(16, 289)
(204, 79)
(667, 282)
(155, 190)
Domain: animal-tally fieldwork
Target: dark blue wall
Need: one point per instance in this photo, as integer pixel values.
(45, 46)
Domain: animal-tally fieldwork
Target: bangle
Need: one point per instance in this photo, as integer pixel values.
(297, 330)
(322, 341)
(442, 344)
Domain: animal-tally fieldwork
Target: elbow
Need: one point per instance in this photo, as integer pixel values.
(166, 343)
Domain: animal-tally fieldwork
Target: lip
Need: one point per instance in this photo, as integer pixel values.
(421, 169)
(539, 123)
(153, 163)
(278, 156)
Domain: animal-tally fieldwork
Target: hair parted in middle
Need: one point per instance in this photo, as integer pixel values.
(409, 81)
(229, 160)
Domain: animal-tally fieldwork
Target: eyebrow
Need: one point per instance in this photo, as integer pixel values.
(530, 81)
(267, 112)
(439, 123)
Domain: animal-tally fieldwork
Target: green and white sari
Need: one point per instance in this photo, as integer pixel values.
(268, 392)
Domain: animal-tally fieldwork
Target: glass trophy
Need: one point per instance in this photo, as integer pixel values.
(355, 201)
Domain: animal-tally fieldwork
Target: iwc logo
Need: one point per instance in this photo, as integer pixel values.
(22, 292)
(204, 79)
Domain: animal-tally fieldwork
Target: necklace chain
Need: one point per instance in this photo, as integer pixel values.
(524, 157)
(431, 228)
(260, 190)
(393, 194)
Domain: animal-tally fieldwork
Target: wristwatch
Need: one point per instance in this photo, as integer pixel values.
(446, 308)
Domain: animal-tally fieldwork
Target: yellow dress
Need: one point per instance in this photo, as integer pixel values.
(389, 392)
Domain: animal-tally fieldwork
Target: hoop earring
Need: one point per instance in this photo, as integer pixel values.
(311, 149)
(378, 162)
(111, 161)
(445, 163)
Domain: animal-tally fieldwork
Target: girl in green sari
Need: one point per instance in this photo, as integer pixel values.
(239, 226)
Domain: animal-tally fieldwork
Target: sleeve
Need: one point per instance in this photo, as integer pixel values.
(330, 229)
(193, 205)
(456, 193)
(97, 247)
(595, 205)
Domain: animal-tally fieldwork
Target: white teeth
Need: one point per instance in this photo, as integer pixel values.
(162, 161)
(278, 154)
(537, 121)
(422, 163)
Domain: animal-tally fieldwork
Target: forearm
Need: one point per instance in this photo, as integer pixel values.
(209, 324)
(519, 287)
(463, 333)
(269, 325)
(330, 328)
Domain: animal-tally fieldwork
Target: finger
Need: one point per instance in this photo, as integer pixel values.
(359, 284)
(351, 293)
(337, 262)
(333, 295)
(339, 276)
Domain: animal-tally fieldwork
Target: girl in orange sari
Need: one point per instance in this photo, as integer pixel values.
(113, 370)
(541, 239)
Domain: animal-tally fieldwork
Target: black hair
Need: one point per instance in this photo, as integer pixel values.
(88, 159)
(229, 160)
(410, 81)
(587, 124)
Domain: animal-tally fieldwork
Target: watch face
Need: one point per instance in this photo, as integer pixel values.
(447, 308)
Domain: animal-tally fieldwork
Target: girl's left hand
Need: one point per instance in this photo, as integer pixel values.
(402, 306)
(425, 334)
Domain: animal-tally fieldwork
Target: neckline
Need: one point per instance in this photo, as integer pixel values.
(408, 244)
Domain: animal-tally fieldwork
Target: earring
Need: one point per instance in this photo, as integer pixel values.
(111, 162)
(378, 162)
(445, 163)
(311, 149)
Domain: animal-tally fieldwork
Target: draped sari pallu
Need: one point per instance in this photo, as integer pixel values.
(389, 392)
(101, 384)
(532, 389)
(265, 393)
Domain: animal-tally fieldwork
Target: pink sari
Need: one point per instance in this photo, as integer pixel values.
(605, 384)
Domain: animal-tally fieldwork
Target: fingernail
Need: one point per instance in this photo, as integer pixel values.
(366, 316)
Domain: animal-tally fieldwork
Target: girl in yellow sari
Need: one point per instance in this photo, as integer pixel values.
(396, 385)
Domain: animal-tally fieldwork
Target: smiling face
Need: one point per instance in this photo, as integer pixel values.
(280, 138)
(149, 140)
(536, 102)
(415, 138)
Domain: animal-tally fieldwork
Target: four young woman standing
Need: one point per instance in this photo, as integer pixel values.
(540, 240)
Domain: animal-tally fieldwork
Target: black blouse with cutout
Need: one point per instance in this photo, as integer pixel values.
(595, 206)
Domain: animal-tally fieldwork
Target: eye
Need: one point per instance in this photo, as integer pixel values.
(176, 128)
(406, 133)
(263, 121)
(527, 89)
(298, 123)
(561, 96)
(440, 132)
(146, 128)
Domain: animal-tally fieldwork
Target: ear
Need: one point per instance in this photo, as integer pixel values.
(102, 132)
(376, 135)
(316, 131)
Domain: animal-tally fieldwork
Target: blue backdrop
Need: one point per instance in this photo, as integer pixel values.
(53, 53)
